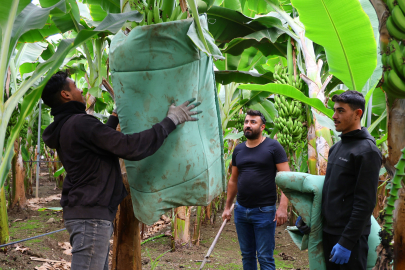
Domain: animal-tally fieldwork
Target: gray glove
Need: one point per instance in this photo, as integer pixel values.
(183, 113)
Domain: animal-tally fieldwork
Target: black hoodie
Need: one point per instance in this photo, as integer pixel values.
(350, 188)
(89, 151)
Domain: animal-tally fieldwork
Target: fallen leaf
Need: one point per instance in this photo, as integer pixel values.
(66, 246)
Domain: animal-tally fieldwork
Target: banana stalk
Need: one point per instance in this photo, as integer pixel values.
(290, 64)
(396, 186)
(194, 10)
(319, 137)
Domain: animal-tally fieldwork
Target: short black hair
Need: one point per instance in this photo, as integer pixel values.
(355, 100)
(51, 93)
(256, 113)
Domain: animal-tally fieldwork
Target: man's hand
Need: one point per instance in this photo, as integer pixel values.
(114, 112)
(302, 227)
(340, 254)
(281, 216)
(183, 113)
(227, 214)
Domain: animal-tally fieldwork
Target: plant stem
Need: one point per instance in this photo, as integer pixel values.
(5, 46)
(290, 64)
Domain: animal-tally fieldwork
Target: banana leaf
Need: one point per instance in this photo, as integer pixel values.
(227, 76)
(289, 91)
(111, 24)
(109, 6)
(344, 30)
(377, 73)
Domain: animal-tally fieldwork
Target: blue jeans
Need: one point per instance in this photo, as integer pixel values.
(256, 229)
(90, 240)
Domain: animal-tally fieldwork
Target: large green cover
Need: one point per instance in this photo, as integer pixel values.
(305, 192)
(151, 67)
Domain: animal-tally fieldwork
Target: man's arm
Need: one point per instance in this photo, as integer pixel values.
(231, 193)
(131, 146)
(281, 214)
(367, 166)
(113, 121)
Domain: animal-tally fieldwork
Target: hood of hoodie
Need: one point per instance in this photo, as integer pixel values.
(61, 114)
(358, 134)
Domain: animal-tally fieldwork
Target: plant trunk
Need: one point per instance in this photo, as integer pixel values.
(197, 227)
(181, 232)
(4, 236)
(208, 212)
(18, 191)
(127, 237)
(319, 138)
(396, 142)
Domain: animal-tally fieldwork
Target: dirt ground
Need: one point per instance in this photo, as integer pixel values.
(155, 254)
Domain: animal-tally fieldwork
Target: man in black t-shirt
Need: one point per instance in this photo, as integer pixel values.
(254, 167)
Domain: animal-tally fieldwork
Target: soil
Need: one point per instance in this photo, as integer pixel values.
(156, 253)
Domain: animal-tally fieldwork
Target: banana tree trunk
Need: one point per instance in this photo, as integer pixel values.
(18, 190)
(396, 142)
(319, 138)
(181, 232)
(197, 227)
(4, 236)
(127, 235)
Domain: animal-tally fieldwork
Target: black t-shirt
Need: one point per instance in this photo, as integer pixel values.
(257, 171)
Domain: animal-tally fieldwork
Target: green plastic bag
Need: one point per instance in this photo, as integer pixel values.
(305, 192)
(152, 67)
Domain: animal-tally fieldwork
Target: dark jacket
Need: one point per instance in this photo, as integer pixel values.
(89, 151)
(349, 191)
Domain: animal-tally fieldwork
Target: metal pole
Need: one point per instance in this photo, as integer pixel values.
(38, 148)
(215, 241)
(369, 111)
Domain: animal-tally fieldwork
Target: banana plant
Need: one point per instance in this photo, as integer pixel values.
(21, 17)
(343, 57)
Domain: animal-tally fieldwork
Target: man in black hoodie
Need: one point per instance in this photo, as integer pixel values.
(349, 191)
(89, 151)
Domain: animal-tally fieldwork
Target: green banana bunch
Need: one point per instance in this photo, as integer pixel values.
(393, 197)
(393, 57)
(281, 77)
(291, 121)
(396, 21)
(394, 69)
(239, 120)
(158, 11)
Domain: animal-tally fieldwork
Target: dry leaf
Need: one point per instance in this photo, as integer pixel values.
(21, 248)
(66, 246)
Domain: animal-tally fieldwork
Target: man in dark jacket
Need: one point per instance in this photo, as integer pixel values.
(349, 191)
(89, 151)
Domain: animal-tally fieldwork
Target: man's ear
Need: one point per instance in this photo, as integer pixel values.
(359, 112)
(65, 95)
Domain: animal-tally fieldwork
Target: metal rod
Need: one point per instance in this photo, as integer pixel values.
(27, 239)
(38, 149)
(369, 111)
(215, 241)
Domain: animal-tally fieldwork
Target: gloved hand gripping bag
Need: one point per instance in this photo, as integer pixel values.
(151, 67)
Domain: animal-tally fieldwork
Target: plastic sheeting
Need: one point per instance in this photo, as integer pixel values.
(151, 67)
(305, 193)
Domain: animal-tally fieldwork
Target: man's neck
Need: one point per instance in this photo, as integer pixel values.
(254, 142)
(355, 127)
